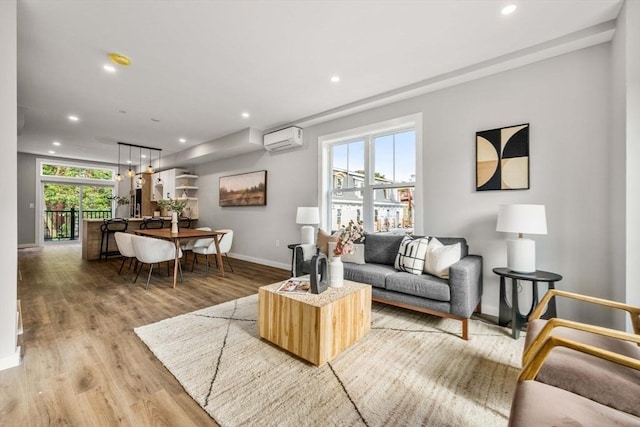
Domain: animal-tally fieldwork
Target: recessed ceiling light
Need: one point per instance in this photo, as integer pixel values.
(129, 161)
(507, 10)
(155, 120)
(52, 152)
(122, 111)
(56, 143)
(182, 140)
(245, 115)
(73, 118)
(144, 156)
(109, 68)
(335, 79)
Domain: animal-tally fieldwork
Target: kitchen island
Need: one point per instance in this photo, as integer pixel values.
(91, 235)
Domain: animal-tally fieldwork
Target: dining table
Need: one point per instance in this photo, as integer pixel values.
(186, 233)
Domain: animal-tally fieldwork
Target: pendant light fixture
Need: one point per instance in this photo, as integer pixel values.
(150, 168)
(140, 180)
(130, 172)
(119, 176)
(159, 180)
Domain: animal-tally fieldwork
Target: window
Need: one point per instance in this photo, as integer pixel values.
(62, 170)
(370, 175)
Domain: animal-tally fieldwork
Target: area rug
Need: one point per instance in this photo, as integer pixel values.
(410, 369)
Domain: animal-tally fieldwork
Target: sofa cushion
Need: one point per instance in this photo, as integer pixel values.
(608, 383)
(424, 285)
(411, 255)
(357, 256)
(381, 248)
(440, 258)
(372, 274)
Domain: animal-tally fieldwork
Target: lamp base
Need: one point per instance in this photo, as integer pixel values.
(521, 255)
(306, 235)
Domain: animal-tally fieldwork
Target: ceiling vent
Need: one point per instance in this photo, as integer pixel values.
(283, 139)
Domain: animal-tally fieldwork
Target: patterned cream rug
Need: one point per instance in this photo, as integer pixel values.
(411, 369)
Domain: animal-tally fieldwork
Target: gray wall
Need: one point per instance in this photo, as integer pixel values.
(565, 99)
(26, 196)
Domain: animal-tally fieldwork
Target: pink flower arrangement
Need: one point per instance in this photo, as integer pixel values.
(352, 232)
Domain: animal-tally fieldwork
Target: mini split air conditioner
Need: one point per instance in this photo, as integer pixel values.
(283, 139)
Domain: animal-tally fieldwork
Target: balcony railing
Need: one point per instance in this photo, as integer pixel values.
(60, 225)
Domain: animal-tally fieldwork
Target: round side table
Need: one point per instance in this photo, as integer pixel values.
(511, 313)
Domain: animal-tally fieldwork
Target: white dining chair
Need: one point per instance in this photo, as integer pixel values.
(187, 246)
(123, 240)
(152, 251)
(207, 247)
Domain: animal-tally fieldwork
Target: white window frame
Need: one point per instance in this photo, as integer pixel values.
(325, 142)
(41, 179)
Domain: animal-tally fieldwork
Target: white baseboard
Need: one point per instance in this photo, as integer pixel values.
(261, 261)
(27, 245)
(489, 309)
(10, 361)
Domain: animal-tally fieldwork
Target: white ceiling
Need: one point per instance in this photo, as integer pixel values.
(197, 65)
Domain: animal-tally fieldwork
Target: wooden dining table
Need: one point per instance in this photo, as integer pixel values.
(186, 233)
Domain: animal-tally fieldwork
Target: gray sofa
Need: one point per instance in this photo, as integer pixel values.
(455, 298)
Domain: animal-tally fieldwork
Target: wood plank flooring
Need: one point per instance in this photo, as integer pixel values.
(83, 364)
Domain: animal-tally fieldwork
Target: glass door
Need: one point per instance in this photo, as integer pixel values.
(65, 205)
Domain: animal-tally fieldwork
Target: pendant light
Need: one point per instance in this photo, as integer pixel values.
(119, 176)
(159, 180)
(130, 172)
(140, 180)
(150, 168)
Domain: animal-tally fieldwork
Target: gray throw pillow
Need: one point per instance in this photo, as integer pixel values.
(382, 248)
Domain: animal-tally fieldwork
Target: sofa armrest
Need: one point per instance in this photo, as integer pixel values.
(465, 282)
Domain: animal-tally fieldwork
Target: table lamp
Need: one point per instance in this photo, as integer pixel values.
(521, 219)
(307, 216)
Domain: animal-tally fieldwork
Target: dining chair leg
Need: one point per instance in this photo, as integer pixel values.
(195, 259)
(180, 270)
(138, 273)
(207, 258)
(122, 265)
(149, 276)
(228, 262)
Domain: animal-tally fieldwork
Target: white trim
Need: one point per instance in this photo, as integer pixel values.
(261, 261)
(11, 361)
(412, 121)
(27, 245)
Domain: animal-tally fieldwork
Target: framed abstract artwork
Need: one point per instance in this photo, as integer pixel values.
(245, 189)
(502, 158)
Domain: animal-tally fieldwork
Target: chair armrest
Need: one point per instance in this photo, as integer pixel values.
(532, 368)
(465, 283)
(634, 312)
(538, 342)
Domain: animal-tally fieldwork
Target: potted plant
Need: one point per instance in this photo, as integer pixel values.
(171, 205)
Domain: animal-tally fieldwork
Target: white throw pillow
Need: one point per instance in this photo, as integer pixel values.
(411, 255)
(357, 257)
(440, 257)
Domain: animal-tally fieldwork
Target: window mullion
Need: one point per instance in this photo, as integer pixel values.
(367, 194)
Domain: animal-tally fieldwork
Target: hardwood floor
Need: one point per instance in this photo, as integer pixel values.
(83, 364)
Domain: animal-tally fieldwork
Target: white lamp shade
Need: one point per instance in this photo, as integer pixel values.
(524, 219)
(308, 215)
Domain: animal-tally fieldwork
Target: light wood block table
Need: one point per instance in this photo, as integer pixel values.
(315, 327)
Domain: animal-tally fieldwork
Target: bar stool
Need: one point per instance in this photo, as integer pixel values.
(151, 223)
(109, 227)
(184, 222)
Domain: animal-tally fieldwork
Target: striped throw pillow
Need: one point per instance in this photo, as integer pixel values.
(411, 255)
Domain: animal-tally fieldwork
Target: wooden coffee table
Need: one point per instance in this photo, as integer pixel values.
(315, 327)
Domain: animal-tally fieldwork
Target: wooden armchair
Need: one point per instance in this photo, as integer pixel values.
(539, 404)
(597, 363)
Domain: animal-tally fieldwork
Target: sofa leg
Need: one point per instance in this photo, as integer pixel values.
(465, 329)
(479, 308)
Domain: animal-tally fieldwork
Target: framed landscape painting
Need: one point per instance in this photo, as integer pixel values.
(502, 158)
(245, 189)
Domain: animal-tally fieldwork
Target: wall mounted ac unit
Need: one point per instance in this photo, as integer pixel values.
(283, 139)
